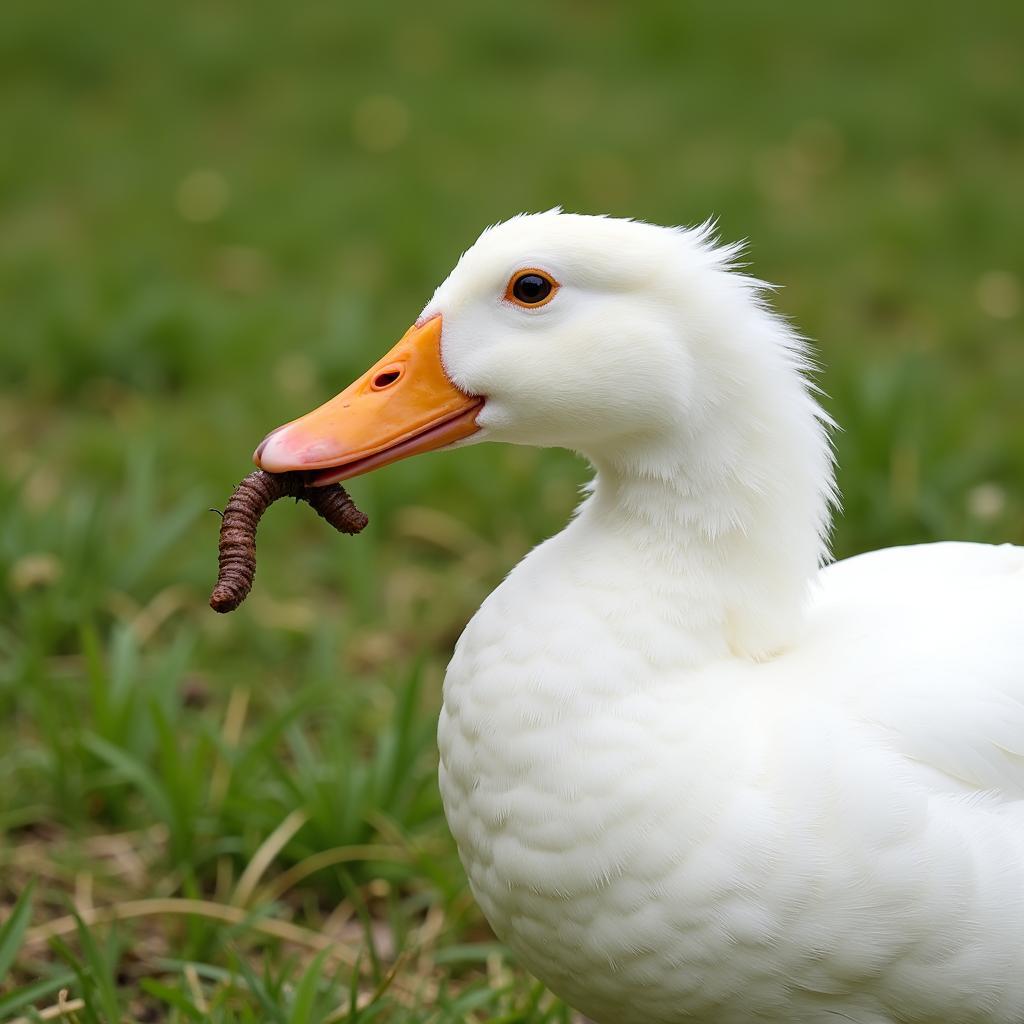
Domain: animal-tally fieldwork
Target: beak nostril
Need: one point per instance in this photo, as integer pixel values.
(386, 378)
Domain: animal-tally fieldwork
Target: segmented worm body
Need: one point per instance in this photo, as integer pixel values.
(236, 557)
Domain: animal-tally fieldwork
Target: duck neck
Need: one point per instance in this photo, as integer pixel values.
(728, 530)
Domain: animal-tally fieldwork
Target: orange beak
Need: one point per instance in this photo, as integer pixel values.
(403, 405)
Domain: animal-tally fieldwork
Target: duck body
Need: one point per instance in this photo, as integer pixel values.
(693, 775)
(801, 838)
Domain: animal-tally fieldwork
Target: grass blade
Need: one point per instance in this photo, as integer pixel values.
(13, 931)
(102, 969)
(305, 994)
(34, 991)
(172, 997)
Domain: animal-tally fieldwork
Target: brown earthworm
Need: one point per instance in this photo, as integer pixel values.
(236, 557)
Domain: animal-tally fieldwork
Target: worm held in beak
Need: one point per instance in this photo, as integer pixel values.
(236, 556)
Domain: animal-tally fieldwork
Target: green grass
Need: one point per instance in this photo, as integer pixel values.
(214, 215)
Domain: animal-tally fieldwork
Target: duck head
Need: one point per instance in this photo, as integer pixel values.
(553, 330)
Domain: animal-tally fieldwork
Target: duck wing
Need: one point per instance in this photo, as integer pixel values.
(933, 635)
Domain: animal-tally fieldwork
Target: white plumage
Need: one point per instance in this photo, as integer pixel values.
(692, 776)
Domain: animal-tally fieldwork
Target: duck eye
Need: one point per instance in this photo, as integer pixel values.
(531, 288)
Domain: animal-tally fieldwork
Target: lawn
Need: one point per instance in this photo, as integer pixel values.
(212, 217)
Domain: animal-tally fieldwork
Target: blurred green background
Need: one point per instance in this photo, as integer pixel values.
(212, 216)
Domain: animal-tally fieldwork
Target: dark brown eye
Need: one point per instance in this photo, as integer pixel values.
(531, 288)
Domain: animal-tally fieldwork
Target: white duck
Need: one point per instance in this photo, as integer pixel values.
(692, 775)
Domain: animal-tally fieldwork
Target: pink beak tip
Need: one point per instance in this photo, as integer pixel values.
(261, 448)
